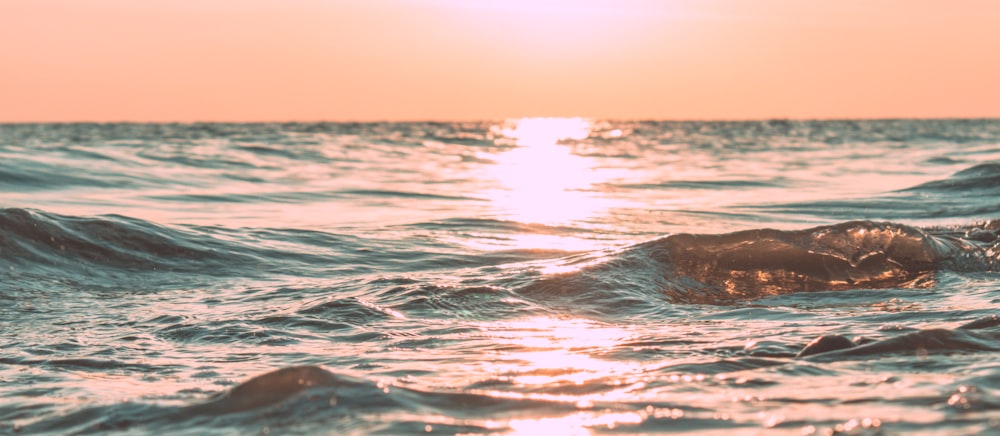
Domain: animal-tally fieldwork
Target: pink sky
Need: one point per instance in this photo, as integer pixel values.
(369, 60)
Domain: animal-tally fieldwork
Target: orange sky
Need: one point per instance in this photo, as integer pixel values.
(368, 60)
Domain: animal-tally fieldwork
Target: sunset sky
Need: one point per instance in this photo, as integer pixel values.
(372, 60)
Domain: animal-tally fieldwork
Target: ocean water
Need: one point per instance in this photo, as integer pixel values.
(533, 276)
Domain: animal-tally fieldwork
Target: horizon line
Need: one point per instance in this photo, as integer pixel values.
(502, 119)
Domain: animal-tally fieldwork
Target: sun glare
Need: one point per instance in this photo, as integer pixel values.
(576, 424)
(542, 181)
(548, 131)
(558, 351)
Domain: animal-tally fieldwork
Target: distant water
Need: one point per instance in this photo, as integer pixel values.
(534, 276)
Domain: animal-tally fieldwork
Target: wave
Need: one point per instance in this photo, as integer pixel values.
(117, 249)
(37, 239)
(722, 269)
(971, 193)
(285, 398)
(680, 268)
(289, 396)
(983, 178)
(30, 176)
(978, 335)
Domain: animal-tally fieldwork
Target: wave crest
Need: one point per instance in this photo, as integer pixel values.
(721, 269)
(36, 239)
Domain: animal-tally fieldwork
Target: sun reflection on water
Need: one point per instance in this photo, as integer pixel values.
(575, 424)
(542, 181)
(552, 352)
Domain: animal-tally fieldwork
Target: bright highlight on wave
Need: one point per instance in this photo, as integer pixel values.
(548, 131)
(556, 350)
(542, 181)
(575, 424)
(314, 278)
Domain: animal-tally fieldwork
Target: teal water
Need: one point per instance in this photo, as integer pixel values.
(560, 276)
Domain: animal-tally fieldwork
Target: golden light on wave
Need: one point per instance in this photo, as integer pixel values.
(557, 350)
(548, 131)
(575, 424)
(542, 181)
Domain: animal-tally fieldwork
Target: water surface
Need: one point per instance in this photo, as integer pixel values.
(560, 276)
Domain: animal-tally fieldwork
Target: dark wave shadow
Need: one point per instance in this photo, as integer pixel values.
(740, 266)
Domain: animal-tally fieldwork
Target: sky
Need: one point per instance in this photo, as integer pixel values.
(453, 60)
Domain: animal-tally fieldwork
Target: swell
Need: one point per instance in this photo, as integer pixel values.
(35, 177)
(739, 266)
(968, 194)
(682, 268)
(851, 255)
(114, 249)
(286, 397)
(982, 178)
(32, 239)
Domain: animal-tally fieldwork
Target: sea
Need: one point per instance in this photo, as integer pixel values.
(535, 276)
